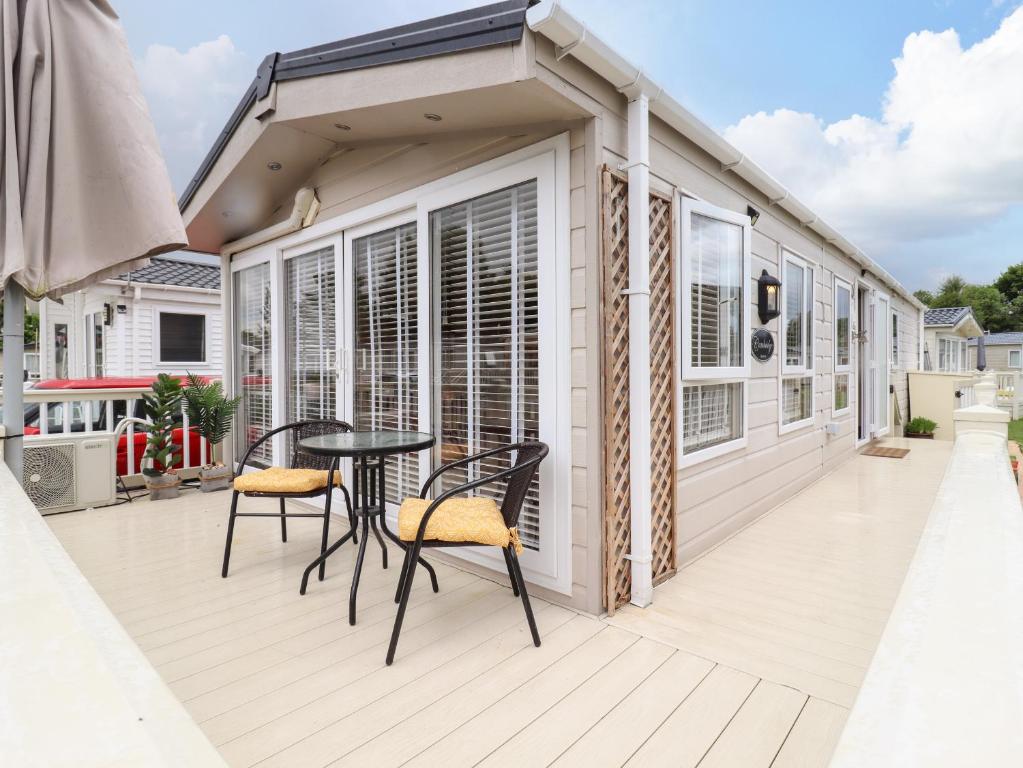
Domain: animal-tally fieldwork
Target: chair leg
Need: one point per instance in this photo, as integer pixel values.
(284, 524)
(404, 573)
(525, 597)
(511, 572)
(323, 540)
(230, 535)
(406, 589)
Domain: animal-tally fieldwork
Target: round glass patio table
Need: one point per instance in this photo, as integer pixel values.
(369, 452)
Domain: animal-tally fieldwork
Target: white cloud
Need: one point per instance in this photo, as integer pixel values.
(191, 94)
(945, 158)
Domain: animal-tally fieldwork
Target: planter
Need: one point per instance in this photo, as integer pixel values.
(215, 478)
(919, 435)
(163, 487)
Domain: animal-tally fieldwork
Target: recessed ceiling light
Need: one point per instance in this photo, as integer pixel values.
(274, 165)
(342, 127)
(434, 117)
(226, 214)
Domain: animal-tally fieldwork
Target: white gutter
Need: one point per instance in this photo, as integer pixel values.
(551, 20)
(303, 213)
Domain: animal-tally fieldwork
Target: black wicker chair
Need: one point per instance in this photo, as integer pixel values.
(299, 460)
(516, 478)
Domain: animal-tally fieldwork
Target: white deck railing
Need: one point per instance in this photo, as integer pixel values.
(75, 688)
(1010, 393)
(64, 411)
(945, 687)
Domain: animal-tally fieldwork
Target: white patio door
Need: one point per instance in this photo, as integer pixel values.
(312, 308)
(382, 287)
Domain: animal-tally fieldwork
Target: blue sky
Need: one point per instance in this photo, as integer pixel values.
(809, 89)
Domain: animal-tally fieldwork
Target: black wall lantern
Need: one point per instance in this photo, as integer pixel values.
(753, 214)
(768, 296)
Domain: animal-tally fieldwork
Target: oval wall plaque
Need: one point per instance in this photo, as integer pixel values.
(762, 343)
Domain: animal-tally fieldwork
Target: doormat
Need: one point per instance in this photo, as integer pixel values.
(886, 453)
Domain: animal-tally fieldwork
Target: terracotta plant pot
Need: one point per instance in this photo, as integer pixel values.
(919, 435)
(215, 478)
(163, 486)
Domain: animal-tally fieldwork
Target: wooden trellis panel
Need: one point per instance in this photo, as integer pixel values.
(662, 387)
(617, 487)
(617, 531)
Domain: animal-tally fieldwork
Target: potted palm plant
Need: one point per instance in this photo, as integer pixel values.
(163, 410)
(210, 413)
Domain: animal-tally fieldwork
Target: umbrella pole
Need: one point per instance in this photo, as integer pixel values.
(14, 376)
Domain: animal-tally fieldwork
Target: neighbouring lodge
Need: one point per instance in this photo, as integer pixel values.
(492, 227)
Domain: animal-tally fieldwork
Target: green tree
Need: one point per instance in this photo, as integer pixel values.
(924, 297)
(31, 327)
(1010, 282)
(950, 292)
(989, 307)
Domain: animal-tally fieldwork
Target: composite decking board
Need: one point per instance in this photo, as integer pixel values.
(728, 667)
(813, 738)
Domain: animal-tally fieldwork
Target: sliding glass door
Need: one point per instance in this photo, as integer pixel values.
(385, 386)
(253, 366)
(485, 335)
(310, 330)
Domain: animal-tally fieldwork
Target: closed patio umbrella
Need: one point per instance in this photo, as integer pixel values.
(84, 191)
(981, 354)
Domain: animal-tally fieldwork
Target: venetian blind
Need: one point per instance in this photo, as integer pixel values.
(484, 255)
(795, 301)
(252, 361)
(310, 333)
(711, 415)
(386, 345)
(716, 265)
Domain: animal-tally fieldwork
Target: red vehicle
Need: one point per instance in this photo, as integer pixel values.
(55, 418)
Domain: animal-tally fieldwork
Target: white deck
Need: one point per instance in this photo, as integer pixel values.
(750, 657)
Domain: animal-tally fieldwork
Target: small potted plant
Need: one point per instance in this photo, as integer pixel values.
(210, 413)
(163, 410)
(920, 427)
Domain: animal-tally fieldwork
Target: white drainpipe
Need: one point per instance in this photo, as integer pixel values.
(303, 213)
(642, 590)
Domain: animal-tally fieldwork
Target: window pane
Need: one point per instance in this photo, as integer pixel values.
(1014, 358)
(795, 300)
(484, 256)
(182, 339)
(711, 415)
(842, 325)
(841, 391)
(386, 345)
(252, 361)
(895, 338)
(797, 399)
(310, 336)
(716, 266)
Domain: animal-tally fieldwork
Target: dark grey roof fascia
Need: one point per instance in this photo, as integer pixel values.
(481, 27)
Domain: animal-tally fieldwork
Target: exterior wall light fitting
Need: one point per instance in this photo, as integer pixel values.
(768, 295)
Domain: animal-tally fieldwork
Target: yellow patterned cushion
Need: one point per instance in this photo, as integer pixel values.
(283, 480)
(473, 519)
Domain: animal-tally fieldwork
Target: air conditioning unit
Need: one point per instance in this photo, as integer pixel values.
(71, 471)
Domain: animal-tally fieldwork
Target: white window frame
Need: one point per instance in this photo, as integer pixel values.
(1019, 358)
(806, 370)
(846, 369)
(716, 373)
(685, 372)
(169, 309)
(548, 162)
